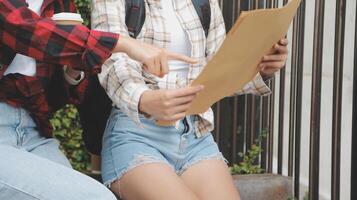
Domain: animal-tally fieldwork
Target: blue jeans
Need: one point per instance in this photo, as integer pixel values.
(32, 167)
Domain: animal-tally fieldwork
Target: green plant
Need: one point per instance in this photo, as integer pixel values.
(84, 8)
(68, 131)
(248, 166)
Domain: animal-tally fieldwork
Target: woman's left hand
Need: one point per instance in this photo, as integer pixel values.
(276, 61)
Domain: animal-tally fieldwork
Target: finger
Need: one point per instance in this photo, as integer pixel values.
(269, 71)
(274, 65)
(180, 57)
(181, 109)
(274, 57)
(284, 42)
(164, 66)
(186, 91)
(178, 109)
(184, 100)
(175, 117)
(157, 67)
(281, 49)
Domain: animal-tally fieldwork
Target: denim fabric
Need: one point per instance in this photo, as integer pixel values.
(33, 167)
(126, 146)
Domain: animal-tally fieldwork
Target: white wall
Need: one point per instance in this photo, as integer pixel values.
(326, 103)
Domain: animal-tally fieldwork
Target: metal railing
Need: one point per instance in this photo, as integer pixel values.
(354, 123)
(240, 120)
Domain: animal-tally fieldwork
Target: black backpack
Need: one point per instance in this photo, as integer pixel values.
(96, 106)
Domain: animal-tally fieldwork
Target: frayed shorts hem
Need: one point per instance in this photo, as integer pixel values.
(138, 160)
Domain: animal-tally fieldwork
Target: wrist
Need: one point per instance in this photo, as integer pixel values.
(143, 102)
(122, 45)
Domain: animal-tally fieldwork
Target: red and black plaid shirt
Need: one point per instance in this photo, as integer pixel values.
(23, 31)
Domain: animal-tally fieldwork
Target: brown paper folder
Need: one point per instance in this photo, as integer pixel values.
(235, 64)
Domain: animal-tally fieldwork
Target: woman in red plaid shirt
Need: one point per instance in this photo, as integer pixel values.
(33, 84)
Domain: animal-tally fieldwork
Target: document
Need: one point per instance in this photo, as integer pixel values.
(236, 62)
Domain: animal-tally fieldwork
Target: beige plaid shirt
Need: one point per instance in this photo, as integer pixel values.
(123, 78)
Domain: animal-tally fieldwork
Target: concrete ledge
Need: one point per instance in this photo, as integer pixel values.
(256, 186)
(264, 187)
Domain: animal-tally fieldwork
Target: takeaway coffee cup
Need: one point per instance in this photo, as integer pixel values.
(66, 18)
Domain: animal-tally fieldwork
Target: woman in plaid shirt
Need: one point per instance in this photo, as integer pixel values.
(141, 160)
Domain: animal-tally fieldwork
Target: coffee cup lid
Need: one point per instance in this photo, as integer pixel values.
(67, 16)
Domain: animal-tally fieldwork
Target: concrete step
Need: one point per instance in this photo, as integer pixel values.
(256, 186)
(264, 187)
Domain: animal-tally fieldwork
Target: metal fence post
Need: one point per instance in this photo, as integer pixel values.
(316, 100)
(337, 98)
(354, 124)
(299, 93)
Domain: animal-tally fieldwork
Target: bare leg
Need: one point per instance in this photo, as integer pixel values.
(211, 180)
(152, 182)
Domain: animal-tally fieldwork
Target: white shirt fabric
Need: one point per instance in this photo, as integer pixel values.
(24, 64)
(179, 41)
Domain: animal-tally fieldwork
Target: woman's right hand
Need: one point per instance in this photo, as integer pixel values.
(153, 58)
(168, 105)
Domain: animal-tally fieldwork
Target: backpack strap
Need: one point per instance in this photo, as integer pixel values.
(135, 15)
(203, 9)
(62, 6)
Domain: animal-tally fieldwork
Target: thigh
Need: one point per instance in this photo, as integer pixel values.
(48, 148)
(26, 176)
(152, 182)
(211, 180)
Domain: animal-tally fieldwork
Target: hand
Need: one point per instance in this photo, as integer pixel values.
(274, 62)
(153, 58)
(74, 74)
(168, 105)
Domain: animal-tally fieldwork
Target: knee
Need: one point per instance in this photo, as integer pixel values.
(100, 195)
(115, 187)
(94, 191)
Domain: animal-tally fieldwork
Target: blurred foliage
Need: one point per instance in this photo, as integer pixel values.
(250, 158)
(68, 130)
(84, 8)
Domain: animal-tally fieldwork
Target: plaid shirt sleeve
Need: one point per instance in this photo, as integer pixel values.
(216, 36)
(26, 33)
(121, 76)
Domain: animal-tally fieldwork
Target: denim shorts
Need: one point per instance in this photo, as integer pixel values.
(126, 145)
